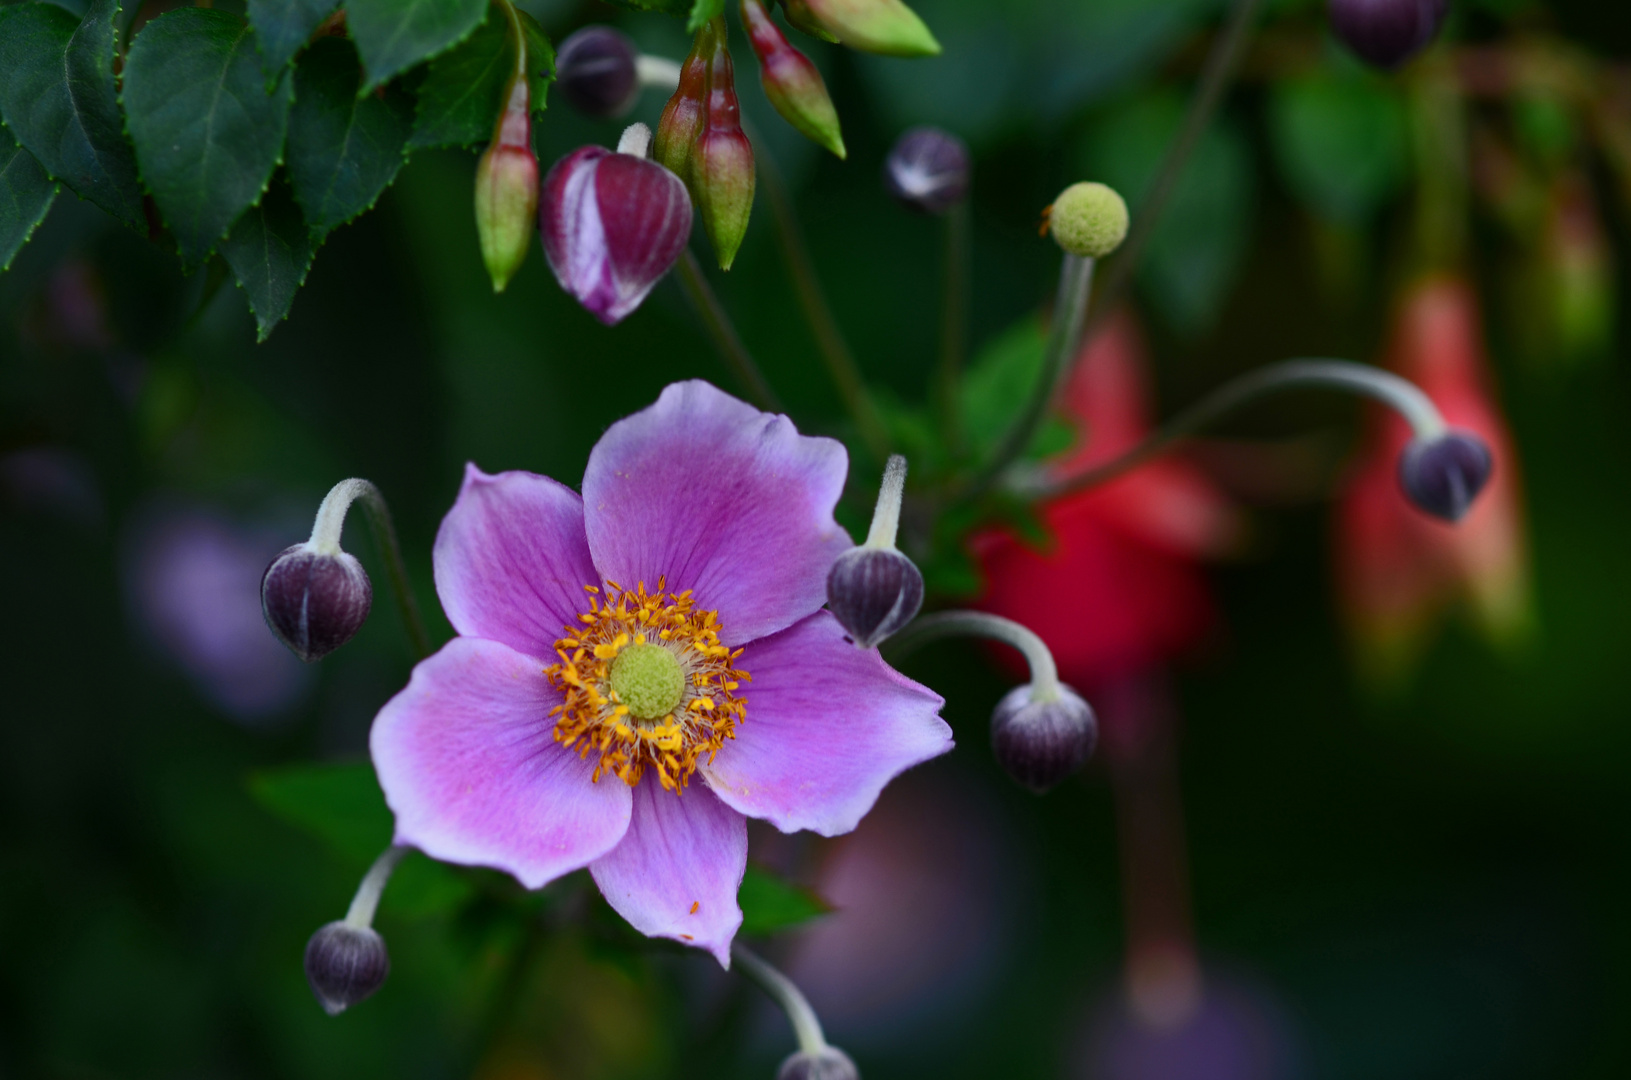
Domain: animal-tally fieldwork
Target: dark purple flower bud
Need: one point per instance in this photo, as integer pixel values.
(345, 964)
(927, 170)
(315, 601)
(596, 70)
(873, 592)
(613, 225)
(1443, 475)
(1041, 743)
(1386, 33)
(828, 1063)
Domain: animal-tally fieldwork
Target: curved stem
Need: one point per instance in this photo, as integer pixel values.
(806, 1026)
(325, 538)
(1044, 672)
(1221, 63)
(723, 333)
(1403, 396)
(363, 905)
(1069, 312)
(812, 299)
(886, 514)
(953, 324)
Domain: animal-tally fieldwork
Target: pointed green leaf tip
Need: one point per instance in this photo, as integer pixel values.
(1089, 220)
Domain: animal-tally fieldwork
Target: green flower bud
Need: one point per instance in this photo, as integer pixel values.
(877, 26)
(507, 190)
(791, 81)
(1089, 220)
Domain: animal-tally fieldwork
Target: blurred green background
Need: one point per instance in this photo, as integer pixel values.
(1429, 880)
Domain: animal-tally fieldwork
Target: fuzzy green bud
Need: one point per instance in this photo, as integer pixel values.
(1089, 220)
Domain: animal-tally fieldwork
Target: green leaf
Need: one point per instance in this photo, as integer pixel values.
(702, 11)
(59, 98)
(1342, 144)
(207, 132)
(270, 249)
(342, 805)
(1000, 380)
(394, 35)
(343, 149)
(770, 904)
(463, 92)
(667, 7)
(26, 192)
(282, 27)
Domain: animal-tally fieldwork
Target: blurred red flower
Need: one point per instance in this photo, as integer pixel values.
(1398, 569)
(1119, 590)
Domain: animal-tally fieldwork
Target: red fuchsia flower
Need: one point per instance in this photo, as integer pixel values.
(640, 669)
(613, 224)
(1118, 591)
(1397, 568)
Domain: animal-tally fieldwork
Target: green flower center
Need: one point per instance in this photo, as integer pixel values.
(648, 679)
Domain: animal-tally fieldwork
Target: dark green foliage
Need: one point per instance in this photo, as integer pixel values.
(463, 93)
(282, 27)
(207, 133)
(1343, 144)
(667, 7)
(58, 96)
(343, 149)
(270, 249)
(770, 904)
(702, 11)
(394, 35)
(25, 196)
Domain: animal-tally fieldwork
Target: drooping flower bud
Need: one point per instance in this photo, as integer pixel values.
(791, 81)
(877, 26)
(873, 593)
(314, 601)
(507, 189)
(613, 224)
(927, 170)
(1088, 220)
(597, 72)
(1041, 742)
(686, 110)
(345, 964)
(1386, 33)
(1443, 475)
(722, 175)
(828, 1063)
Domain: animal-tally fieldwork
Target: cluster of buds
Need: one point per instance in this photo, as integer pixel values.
(507, 186)
(700, 139)
(791, 81)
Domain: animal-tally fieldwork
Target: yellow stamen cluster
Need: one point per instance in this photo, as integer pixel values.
(593, 718)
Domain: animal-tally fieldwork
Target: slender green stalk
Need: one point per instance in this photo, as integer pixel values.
(1401, 395)
(806, 1026)
(723, 333)
(1221, 64)
(943, 624)
(325, 537)
(812, 299)
(953, 324)
(363, 905)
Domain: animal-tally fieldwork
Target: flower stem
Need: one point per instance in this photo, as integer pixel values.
(829, 339)
(1221, 63)
(361, 912)
(1401, 395)
(806, 1026)
(1070, 310)
(1044, 672)
(886, 514)
(953, 324)
(325, 538)
(726, 340)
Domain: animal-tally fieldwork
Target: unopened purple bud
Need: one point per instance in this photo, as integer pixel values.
(315, 601)
(1444, 474)
(613, 225)
(345, 964)
(1041, 742)
(873, 593)
(927, 170)
(596, 70)
(828, 1063)
(1386, 33)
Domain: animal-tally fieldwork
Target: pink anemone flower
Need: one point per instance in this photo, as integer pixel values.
(640, 669)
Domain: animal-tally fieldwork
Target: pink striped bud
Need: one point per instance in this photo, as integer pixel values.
(791, 81)
(507, 189)
(877, 26)
(613, 224)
